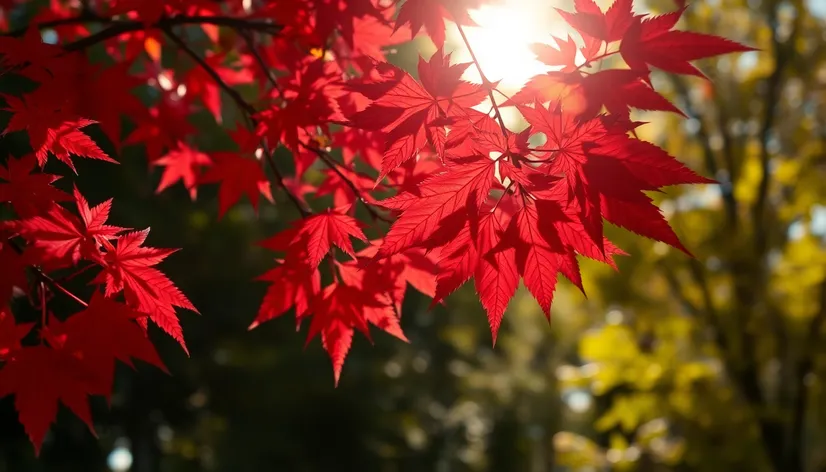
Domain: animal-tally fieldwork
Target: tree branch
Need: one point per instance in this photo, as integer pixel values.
(324, 156)
(250, 111)
(245, 106)
(676, 291)
(800, 402)
(744, 376)
(118, 27)
(782, 54)
(726, 188)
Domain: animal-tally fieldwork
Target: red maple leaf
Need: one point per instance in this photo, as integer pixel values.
(412, 113)
(30, 194)
(539, 253)
(100, 334)
(104, 94)
(129, 267)
(292, 284)
(496, 276)
(341, 16)
(564, 54)
(340, 310)
(39, 377)
(340, 183)
(598, 178)
(64, 238)
(610, 26)
(652, 42)
(51, 128)
(335, 314)
(184, 164)
(618, 90)
(463, 184)
(388, 278)
(470, 254)
(362, 294)
(320, 232)
(432, 15)
(238, 176)
(371, 34)
(164, 126)
(356, 142)
(472, 199)
(380, 305)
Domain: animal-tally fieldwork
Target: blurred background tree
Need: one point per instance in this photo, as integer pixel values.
(717, 363)
(674, 364)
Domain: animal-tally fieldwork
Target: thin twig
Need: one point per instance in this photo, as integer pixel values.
(305, 212)
(234, 94)
(38, 272)
(485, 83)
(260, 60)
(344, 166)
(270, 159)
(332, 164)
(75, 274)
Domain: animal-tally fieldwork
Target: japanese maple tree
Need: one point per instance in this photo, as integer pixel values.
(451, 191)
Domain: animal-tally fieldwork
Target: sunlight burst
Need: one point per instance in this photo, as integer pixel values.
(502, 40)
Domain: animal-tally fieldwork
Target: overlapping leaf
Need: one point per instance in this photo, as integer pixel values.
(413, 114)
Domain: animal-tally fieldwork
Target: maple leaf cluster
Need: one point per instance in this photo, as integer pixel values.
(451, 192)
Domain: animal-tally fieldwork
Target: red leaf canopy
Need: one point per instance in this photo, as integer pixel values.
(430, 188)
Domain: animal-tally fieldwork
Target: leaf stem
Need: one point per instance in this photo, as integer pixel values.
(333, 165)
(75, 274)
(502, 197)
(598, 58)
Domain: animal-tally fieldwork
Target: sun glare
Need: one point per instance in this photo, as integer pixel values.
(502, 40)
